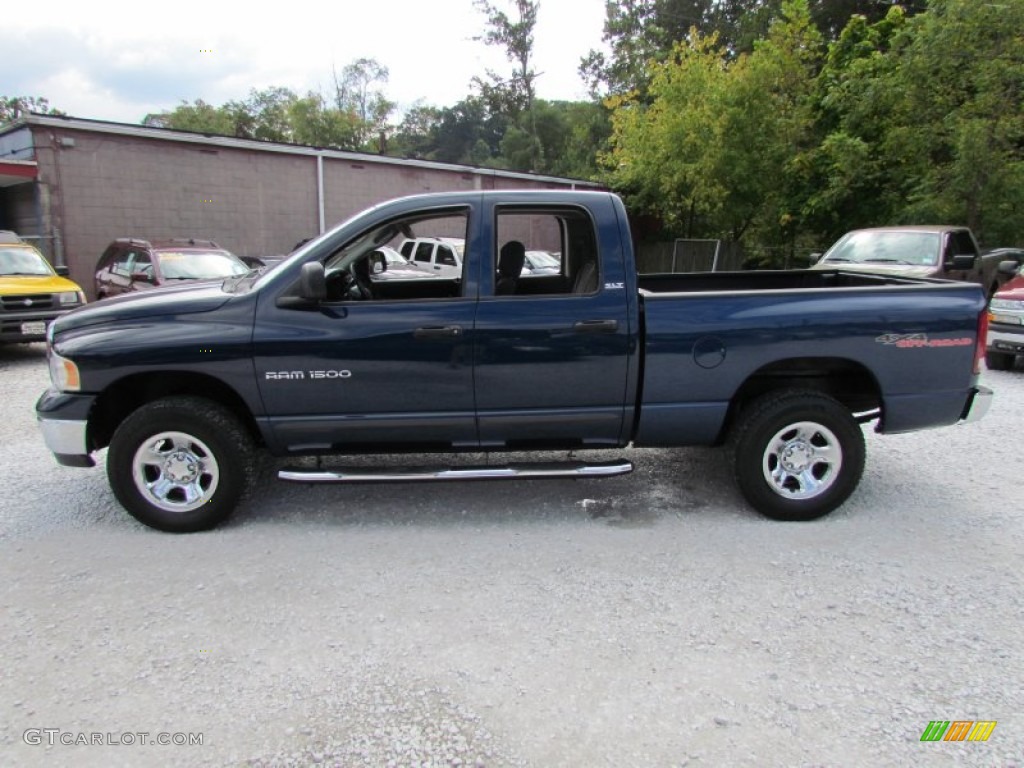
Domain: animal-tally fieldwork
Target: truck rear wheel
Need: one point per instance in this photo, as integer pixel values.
(180, 464)
(798, 454)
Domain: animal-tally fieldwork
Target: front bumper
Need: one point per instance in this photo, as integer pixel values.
(1006, 338)
(64, 421)
(13, 324)
(978, 403)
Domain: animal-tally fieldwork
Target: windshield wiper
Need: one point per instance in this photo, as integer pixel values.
(888, 261)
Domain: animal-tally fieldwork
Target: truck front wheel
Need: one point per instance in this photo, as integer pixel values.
(798, 454)
(180, 464)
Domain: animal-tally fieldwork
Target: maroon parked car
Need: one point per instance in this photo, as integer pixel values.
(1006, 325)
(131, 264)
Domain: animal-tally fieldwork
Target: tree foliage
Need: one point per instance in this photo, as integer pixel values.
(353, 118)
(13, 107)
(639, 32)
(771, 122)
(712, 152)
(358, 95)
(514, 95)
(902, 118)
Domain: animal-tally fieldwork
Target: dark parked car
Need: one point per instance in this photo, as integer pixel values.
(130, 264)
(261, 262)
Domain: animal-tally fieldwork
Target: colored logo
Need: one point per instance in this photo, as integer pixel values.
(958, 730)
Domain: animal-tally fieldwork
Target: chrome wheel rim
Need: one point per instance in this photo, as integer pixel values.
(802, 460)
(175, 471)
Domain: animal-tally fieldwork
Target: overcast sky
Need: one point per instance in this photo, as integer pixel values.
(113, 60)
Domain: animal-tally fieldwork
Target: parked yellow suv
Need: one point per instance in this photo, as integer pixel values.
(32, 293)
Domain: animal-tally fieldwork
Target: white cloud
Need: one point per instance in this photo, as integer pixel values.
(119, 60)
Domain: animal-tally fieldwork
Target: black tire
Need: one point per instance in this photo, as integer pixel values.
(998, 361)
(798, 454)
(181, 464)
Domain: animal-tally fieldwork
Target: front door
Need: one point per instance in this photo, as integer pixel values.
(389, 367)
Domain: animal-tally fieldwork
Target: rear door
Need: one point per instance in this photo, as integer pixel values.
(552, 356)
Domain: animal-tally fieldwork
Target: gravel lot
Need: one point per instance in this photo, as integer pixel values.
(648, 620)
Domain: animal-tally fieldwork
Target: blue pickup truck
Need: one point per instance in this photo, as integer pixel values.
(322, 356)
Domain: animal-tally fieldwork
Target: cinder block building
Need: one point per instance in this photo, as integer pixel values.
(73, 185)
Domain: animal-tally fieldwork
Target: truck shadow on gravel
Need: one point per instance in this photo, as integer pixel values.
(666, 484)
(13, 356)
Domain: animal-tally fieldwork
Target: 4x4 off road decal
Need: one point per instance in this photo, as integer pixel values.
(918, 340)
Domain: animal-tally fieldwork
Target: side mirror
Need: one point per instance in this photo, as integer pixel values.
(961, 261)
(378, 263)
(141, 277)
(313, 282)
(312, 288)
(1008, 267)
(62, 271)
(815, 257)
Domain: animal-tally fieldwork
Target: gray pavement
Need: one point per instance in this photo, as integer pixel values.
(647, 620)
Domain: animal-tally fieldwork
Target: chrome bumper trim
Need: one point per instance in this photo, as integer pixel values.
(63, 437)
(977, 406)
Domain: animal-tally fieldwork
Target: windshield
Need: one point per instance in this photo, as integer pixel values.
(199, 265)
(917, 248)
(23, 261)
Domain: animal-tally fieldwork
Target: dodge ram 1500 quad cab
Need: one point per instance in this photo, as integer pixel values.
(314, 357)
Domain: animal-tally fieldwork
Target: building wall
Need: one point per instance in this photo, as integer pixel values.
(102, 186)
(19, 210)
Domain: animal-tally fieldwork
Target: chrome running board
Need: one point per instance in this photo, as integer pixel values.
(416, 474)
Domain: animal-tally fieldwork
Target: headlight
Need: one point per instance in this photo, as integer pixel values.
(64, 373)
(71, 297)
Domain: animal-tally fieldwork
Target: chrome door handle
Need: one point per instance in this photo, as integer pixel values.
(596, 326)
(438, 332)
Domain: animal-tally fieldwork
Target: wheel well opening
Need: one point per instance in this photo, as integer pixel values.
(848, 382)
(128, 394)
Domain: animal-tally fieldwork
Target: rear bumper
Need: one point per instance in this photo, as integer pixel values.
(63, 420)
(978, 403)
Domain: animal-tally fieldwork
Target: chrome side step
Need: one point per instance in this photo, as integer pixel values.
(415, 474)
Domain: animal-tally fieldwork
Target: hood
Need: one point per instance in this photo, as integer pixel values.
(184, 300)
(22, 285)
(892, 270)
(1014, 289)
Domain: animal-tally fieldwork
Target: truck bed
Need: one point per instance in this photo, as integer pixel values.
(769, 280)
(708, 335)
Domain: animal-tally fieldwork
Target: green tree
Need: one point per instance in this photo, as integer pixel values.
(638, 32)
(514, 95)
(316, 124)
(920, 120)
(200, 117)
(962, 76)
(857, 174)
(13, 107)
(355, 118)
(356, 92)
(712, 153)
